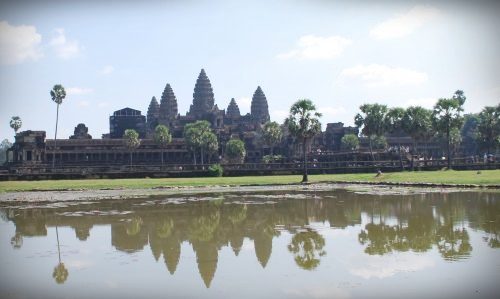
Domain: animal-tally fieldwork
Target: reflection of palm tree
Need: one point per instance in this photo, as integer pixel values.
(307, 248)
(165, 229)
(203, 228)
(237, 213)
(453, 244)
(60, 273)
(17, 241)
(134, 226)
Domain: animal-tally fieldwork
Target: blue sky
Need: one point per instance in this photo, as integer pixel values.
(340, 54)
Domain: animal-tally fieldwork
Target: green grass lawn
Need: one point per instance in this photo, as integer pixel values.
(486, 177)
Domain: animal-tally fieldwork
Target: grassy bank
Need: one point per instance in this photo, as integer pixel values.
(485, 178)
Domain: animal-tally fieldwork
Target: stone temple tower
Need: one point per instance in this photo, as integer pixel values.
(153, 114)
(259, 109)
(233, 111)
(203, 96)
(168, 106)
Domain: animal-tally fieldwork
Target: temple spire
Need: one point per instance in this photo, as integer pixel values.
(203, 96)
(153, 113)
(259, 108)
(168, 105)
(233, 110)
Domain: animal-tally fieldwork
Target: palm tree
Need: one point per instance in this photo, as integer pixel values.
(372, 120)
(131, 138)
(417, 122)
(303, 123)
(272, 134)
(235, 150)
(162, 137)
(16, 123)
(447, 116)
(57, 94)
(199, 135)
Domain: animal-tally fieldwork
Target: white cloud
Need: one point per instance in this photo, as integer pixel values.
(106, 70)
(76, 91)
(317, 47)
(19, 43)
(404, 24)
(63, 47)
(375, 75)
(102, 104)
(377, 266)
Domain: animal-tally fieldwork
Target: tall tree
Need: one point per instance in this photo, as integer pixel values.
(394, 123)
(303, 123)
(58, 94)
(372, 121)
(489, 128)
(235, 151)
(417, 122)
(16, 123)
(199, 136)
(162, 138)
(272, 134)
(209, 146)
(447, 116)
(132, 141)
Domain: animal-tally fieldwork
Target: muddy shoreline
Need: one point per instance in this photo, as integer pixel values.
(117, 194)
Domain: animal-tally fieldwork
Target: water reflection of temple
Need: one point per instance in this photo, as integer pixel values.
(391, 223)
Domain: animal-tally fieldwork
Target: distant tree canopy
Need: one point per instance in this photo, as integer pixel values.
(372, 122)
(199, 137)
(235, 151)
(272, 134)
(489, 128)
(350, 142)
(417, 122)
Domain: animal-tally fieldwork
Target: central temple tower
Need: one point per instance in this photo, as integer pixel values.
(203, 96)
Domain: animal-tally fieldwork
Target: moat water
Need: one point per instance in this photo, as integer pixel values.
(276, 244)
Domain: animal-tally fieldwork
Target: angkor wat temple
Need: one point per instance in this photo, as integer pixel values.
(32, 149)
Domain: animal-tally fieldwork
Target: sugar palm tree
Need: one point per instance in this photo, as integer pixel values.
(162, 137)
(131, 138)
(303, 123)
(272, 134)
(16, 123)
(57, 94)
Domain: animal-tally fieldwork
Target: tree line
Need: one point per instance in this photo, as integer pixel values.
(445, 122)
(476, 132)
